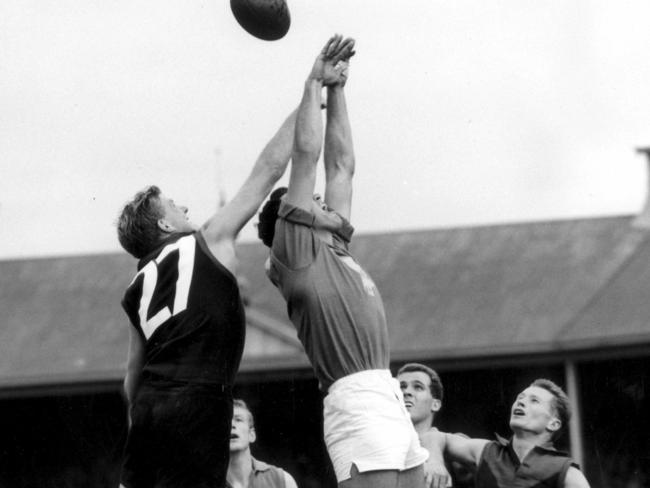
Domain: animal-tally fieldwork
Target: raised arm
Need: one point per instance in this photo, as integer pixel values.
(222, 228)
(339, 153)
(308, 138)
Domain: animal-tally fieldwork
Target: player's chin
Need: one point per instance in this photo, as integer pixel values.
(515, 421)
(339, 222)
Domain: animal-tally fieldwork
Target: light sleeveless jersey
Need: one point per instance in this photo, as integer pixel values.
(333, 303)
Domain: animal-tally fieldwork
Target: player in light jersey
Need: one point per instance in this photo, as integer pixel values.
(188, 329)
(331, 300)
(244, 471)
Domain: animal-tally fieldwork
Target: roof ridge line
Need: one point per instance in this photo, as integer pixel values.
(599, 293)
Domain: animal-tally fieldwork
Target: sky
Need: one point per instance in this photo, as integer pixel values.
(463, 112)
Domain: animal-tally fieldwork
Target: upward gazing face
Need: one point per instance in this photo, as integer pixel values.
(326, 218)
(174, 217)
(533, 411)
(242, 435)
(416, 388)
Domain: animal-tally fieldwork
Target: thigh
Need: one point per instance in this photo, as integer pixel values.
(371, 479)
(411, 478)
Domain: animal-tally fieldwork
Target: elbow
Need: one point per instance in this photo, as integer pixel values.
(307, 150)
(306, 154)
(342, 167)
(346, 165)
(271, 165)
(307, 144)
(276, 171)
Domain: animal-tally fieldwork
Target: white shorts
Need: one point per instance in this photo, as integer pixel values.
(366, 424)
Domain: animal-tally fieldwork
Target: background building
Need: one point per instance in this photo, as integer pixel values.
(491, 308)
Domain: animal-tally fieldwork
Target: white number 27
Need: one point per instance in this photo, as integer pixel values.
(185, 247)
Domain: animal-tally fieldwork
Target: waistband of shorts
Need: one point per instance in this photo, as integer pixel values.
(366, 375)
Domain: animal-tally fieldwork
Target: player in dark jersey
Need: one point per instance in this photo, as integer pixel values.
(333, 303)
(188, 328)
(529, 459)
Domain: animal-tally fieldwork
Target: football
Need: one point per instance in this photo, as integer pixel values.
(268, 20)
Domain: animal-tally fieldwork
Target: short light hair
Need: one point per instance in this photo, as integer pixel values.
(437, 390)
(561, 403)
(137, 225)
(238, 402)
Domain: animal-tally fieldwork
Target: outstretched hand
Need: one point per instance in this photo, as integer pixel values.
(330, 67)
(436, 475)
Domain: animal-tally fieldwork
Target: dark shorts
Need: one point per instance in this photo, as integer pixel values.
(179, 437)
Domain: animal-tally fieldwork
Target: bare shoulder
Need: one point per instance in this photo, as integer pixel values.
(226, 223)
(575, 479)
(222, 248)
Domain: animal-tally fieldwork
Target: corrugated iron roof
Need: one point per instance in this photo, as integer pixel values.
(452, 293)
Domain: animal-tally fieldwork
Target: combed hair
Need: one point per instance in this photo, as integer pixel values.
(269, 215)
(137, 225)
(561, 403)
(437, 390)
(238, 402)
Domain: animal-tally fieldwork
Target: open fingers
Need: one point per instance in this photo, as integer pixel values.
(332, 45)
(345, 50)
(428, 478)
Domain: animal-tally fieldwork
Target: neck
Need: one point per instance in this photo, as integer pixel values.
(523, 442)
(240, 466)
(423, 426)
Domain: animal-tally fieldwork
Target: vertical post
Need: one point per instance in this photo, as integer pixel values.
(575, 424)
(642, 220)
(221, 191)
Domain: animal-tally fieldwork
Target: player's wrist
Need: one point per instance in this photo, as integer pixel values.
(313, 82)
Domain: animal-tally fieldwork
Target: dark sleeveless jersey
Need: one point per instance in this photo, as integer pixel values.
(187, 308)
(265, 475)
(543, 467)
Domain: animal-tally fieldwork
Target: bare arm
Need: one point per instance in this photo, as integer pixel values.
(435, 471)
(575, 479)
(134, 364)
(222, 228)
(308, 138)
(339, 153)
(459, 448)
(307, 147)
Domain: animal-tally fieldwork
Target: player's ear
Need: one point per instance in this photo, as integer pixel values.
(165, 226)
(252, 435)
(554, 424)
(436, 405)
